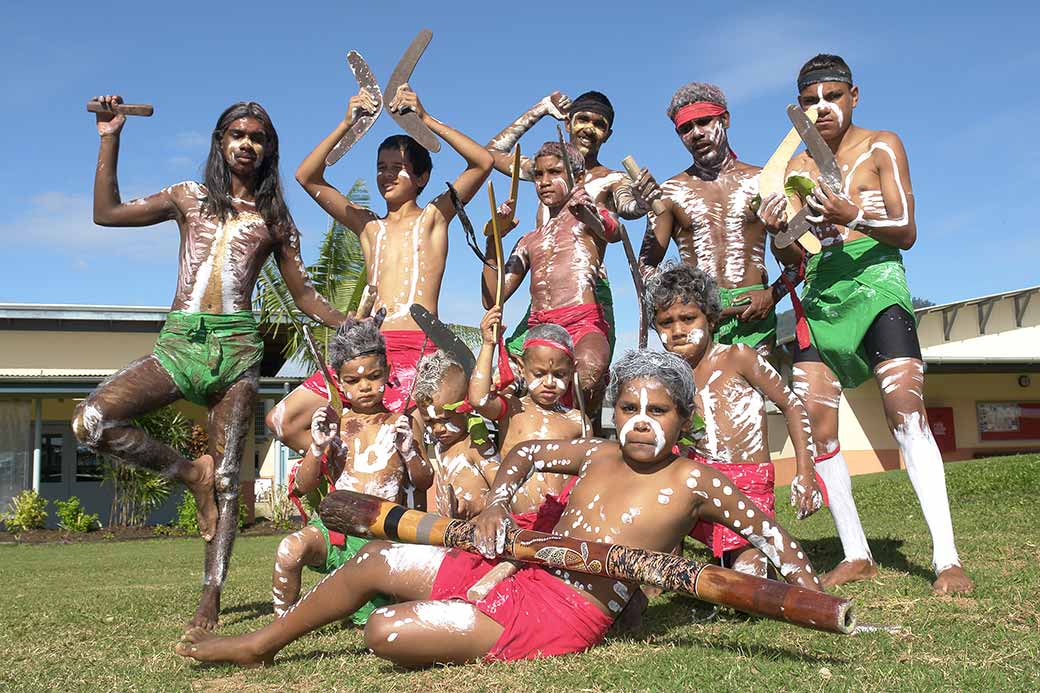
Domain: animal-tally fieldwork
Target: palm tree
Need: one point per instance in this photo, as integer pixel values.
(338, 275)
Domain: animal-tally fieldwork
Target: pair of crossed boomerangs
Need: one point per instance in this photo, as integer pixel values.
(409, 121)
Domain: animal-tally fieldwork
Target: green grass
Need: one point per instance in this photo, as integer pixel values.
(105, 616)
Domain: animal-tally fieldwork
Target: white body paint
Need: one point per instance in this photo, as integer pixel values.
(642, 417)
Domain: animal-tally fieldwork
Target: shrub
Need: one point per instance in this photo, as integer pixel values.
(187, 508)
(26, 511)
(72, 516)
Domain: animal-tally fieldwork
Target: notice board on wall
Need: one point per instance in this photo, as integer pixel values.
(1008, 420)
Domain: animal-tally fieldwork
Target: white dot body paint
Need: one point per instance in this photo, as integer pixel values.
(642, 417)
(391, 637)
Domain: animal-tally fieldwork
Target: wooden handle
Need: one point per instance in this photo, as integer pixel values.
(499, 276)
(134, 109)
(514, 183)
(633, 171)
(362, 515)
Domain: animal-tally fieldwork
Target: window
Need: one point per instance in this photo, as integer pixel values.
(50, 457)
(88, 465)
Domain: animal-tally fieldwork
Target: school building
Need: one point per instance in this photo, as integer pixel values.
(982, 388)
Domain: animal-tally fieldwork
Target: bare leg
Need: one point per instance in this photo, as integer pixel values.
(420, 633)
(592, 354)
(750, 561)
(227, 428)
(102, 423)
(290, 419)
(902, 390)
(820, 392)
(306, 547)
(406, 571)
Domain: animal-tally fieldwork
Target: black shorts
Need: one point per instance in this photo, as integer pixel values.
(892, 335)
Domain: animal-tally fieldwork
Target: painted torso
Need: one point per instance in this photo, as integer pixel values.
(715, 228)
(733, 410)
(219, 261)
(405, 263)
(462, 472)
(368, 456)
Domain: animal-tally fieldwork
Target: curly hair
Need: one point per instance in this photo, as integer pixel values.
(551, 332)
(677, 281)
(356, 338)
(552, 148)
(430, 373)
(694, 92)
(666, 368)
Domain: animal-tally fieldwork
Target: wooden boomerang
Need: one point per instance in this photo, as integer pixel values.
(367, 81)
(499, 276)
(333, 399)
(134, 109)
(514, 186)
(566, 159)
(444, 338)
(361, 515)
(410, 121)
(771, 180)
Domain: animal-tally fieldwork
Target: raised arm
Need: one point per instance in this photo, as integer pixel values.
(501, 145)
(805, 494)
(305, 296)
(717, 499)
(515, 269)
(420, 471)
(311, 172)
(478, 159)
(324, 432)
(109, 209)
(479, 394)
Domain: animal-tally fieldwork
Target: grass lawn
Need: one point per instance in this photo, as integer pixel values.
(104, 616)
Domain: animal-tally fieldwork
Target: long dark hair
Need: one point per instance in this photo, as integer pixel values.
(270, 202)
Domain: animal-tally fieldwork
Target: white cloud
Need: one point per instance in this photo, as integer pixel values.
(56, 222)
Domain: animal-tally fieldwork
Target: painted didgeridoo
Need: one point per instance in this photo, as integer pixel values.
(367, 516)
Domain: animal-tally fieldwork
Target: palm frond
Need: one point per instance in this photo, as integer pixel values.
(338, 274)
(469, 335)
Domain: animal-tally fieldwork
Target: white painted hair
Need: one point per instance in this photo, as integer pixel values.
(676, 281)
(552, 148)
(356, 338)
(429, 374)
(666, 368)
(694, 92)
(552, 332)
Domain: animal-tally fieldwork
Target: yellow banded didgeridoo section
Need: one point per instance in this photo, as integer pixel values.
(362, 515)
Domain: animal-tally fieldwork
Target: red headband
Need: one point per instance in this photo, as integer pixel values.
(548, 343)
(695, 110)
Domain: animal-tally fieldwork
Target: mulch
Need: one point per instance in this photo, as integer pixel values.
(262, 528)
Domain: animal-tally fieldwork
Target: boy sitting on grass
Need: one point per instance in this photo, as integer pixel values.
(732, 380)
(548, 372)
(636, 492)
(465, 459)
(369, 450)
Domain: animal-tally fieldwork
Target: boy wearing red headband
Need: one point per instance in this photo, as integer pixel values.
(862, 228)
(537, 414)
(565, 258)
(710, 219)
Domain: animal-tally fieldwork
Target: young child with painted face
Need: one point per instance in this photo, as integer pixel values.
(405, 250)
(851, 331)
(636, 492)
(732, 384)
(564, 256)
(368, 450)
(465, 459)
(537, 414)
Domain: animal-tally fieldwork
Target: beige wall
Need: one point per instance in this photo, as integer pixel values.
(74, 350)
(1002, 337)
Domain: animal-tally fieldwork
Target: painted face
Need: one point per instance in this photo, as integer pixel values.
(706, 139)
(588, 131)
(548, 372)
(396, 178)
(647, 420)
(363, 380)
(835, 101)
(550, 179)
(445, 425)
(684, 330)
(244, 144)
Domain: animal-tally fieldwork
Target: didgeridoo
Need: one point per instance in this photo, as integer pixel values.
(367, 516)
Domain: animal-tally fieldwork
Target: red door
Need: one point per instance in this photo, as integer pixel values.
(940, 420)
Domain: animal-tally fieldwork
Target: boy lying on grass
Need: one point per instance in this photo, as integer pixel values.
(636, 492)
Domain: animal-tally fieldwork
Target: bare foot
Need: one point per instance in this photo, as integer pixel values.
(953, 580)
(204, 646)
(208, 613)
(201, 485)
(850, 571)
(631, 617)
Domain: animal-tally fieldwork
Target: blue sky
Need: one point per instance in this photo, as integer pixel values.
(953, 79)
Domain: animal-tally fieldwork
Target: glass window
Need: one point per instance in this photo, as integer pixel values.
(50, 457)
(88, 465)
